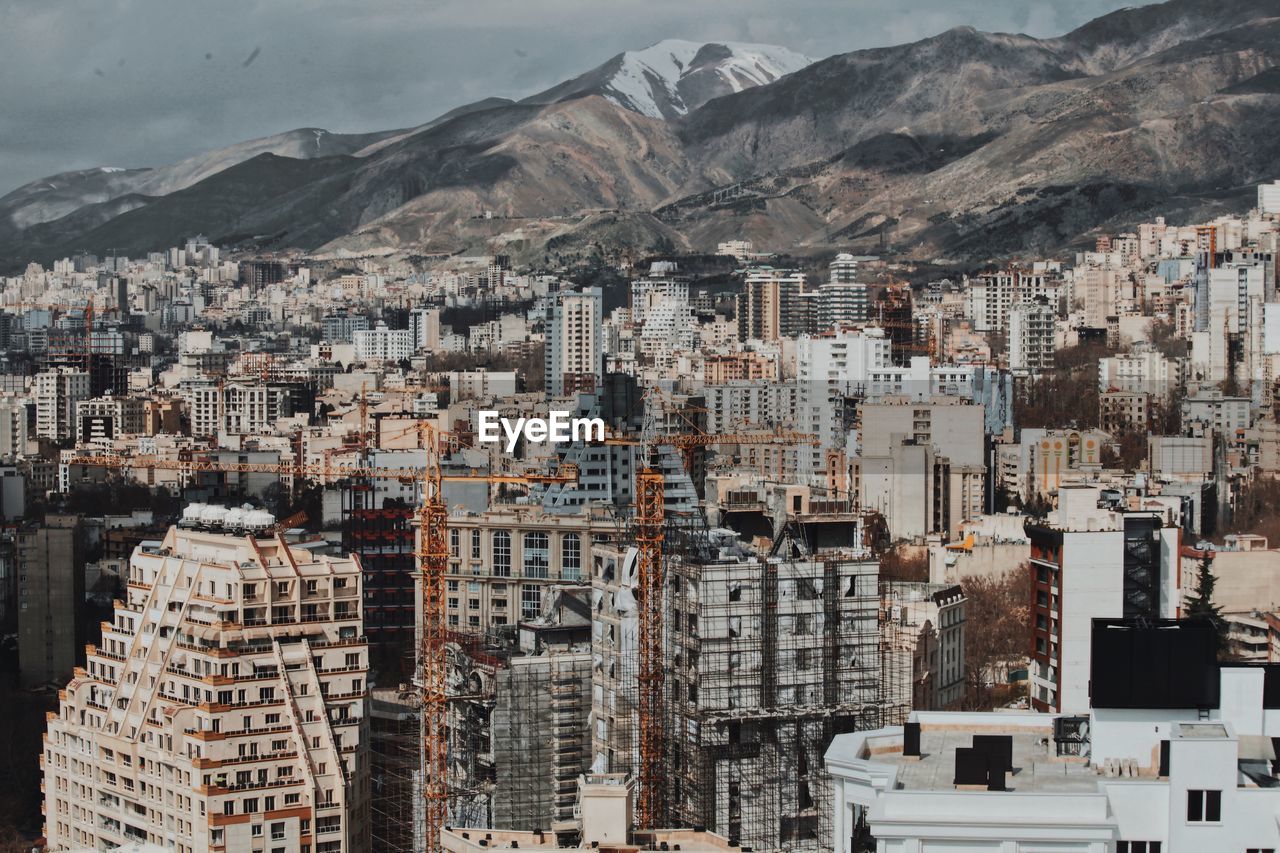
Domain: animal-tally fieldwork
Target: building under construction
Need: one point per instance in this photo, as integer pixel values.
(767, 658)
(397, 805)
(775, 638)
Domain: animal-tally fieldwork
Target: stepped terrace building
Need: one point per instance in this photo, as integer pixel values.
(224, 709)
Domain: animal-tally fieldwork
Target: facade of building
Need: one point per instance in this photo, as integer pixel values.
(1032, 326)
(1093, 563)
(57, 391)
(51, 585)
(1178, 763)
(769, 659)
(574, 356)
(1124, 411)
(503, 561)
(383, 344)
(224, 709)
(769, 307)
(105, 418)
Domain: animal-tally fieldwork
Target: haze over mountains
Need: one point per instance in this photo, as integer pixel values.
(966, 144)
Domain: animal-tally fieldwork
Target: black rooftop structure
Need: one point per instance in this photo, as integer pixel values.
(1154, 663)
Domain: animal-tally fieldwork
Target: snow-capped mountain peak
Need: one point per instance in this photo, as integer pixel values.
(674, 76)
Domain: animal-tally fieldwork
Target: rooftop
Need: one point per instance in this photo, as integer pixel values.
(1035, 769)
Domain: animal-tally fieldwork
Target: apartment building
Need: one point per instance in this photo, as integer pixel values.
(1145, 369)
(237, 408)
(769, 307)
(1123, 411)
(224, 709)
(51, 584)
(57, 391)
(768, 659)
(990, 297)
(574, 355)
(1172, 755)
(503, 561)
(1031, 337)
(383, 344)
(13, 426)
(1092, 562)
(105, 418)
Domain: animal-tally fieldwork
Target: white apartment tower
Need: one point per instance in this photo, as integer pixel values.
(224, 709)
(57, 391)
(843, 300)
(1031, 337)
(574, 359)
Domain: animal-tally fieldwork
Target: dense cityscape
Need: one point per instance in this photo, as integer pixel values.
(705, 545)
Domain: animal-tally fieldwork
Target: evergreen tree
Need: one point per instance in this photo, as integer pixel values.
(1199, 604)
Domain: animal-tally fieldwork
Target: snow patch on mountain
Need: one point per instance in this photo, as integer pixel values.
(668, 77)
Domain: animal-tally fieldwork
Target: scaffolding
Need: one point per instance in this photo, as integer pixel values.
(770, 659)
(397, 803)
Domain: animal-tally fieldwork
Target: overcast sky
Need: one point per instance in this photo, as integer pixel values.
(146, 82)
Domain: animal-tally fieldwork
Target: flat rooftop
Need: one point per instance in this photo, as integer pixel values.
(1034, 769)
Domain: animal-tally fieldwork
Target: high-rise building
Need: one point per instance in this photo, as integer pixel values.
(57, 391)
(769, 307)
(50, 561)
(424, 328)
(1031, 337)
(843, 300)
(1092, 563)
(771, 658)
(223, 710)
(13, 426)
(338, 328)
(574, 357)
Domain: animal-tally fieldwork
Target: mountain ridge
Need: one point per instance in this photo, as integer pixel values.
(961, 144)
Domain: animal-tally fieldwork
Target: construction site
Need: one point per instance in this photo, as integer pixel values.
(770, 646)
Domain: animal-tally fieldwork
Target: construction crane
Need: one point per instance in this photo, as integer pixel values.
(433, 563)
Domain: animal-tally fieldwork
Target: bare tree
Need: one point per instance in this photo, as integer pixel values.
(997, 632)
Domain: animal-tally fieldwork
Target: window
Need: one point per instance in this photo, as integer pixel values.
(571, 557)
(475, 544)
(1137, 847)
(1204, 806)
(537, 554)
(453, 542)
(530, 600)
(502, 553)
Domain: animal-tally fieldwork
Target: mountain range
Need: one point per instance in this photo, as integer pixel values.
(966, 145)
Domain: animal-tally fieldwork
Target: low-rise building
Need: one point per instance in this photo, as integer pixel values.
(1173, 755)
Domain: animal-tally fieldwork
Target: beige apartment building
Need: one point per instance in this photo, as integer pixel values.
(224, 709)
(503, 561)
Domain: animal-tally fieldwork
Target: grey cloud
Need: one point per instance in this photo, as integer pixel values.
(186, 76)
